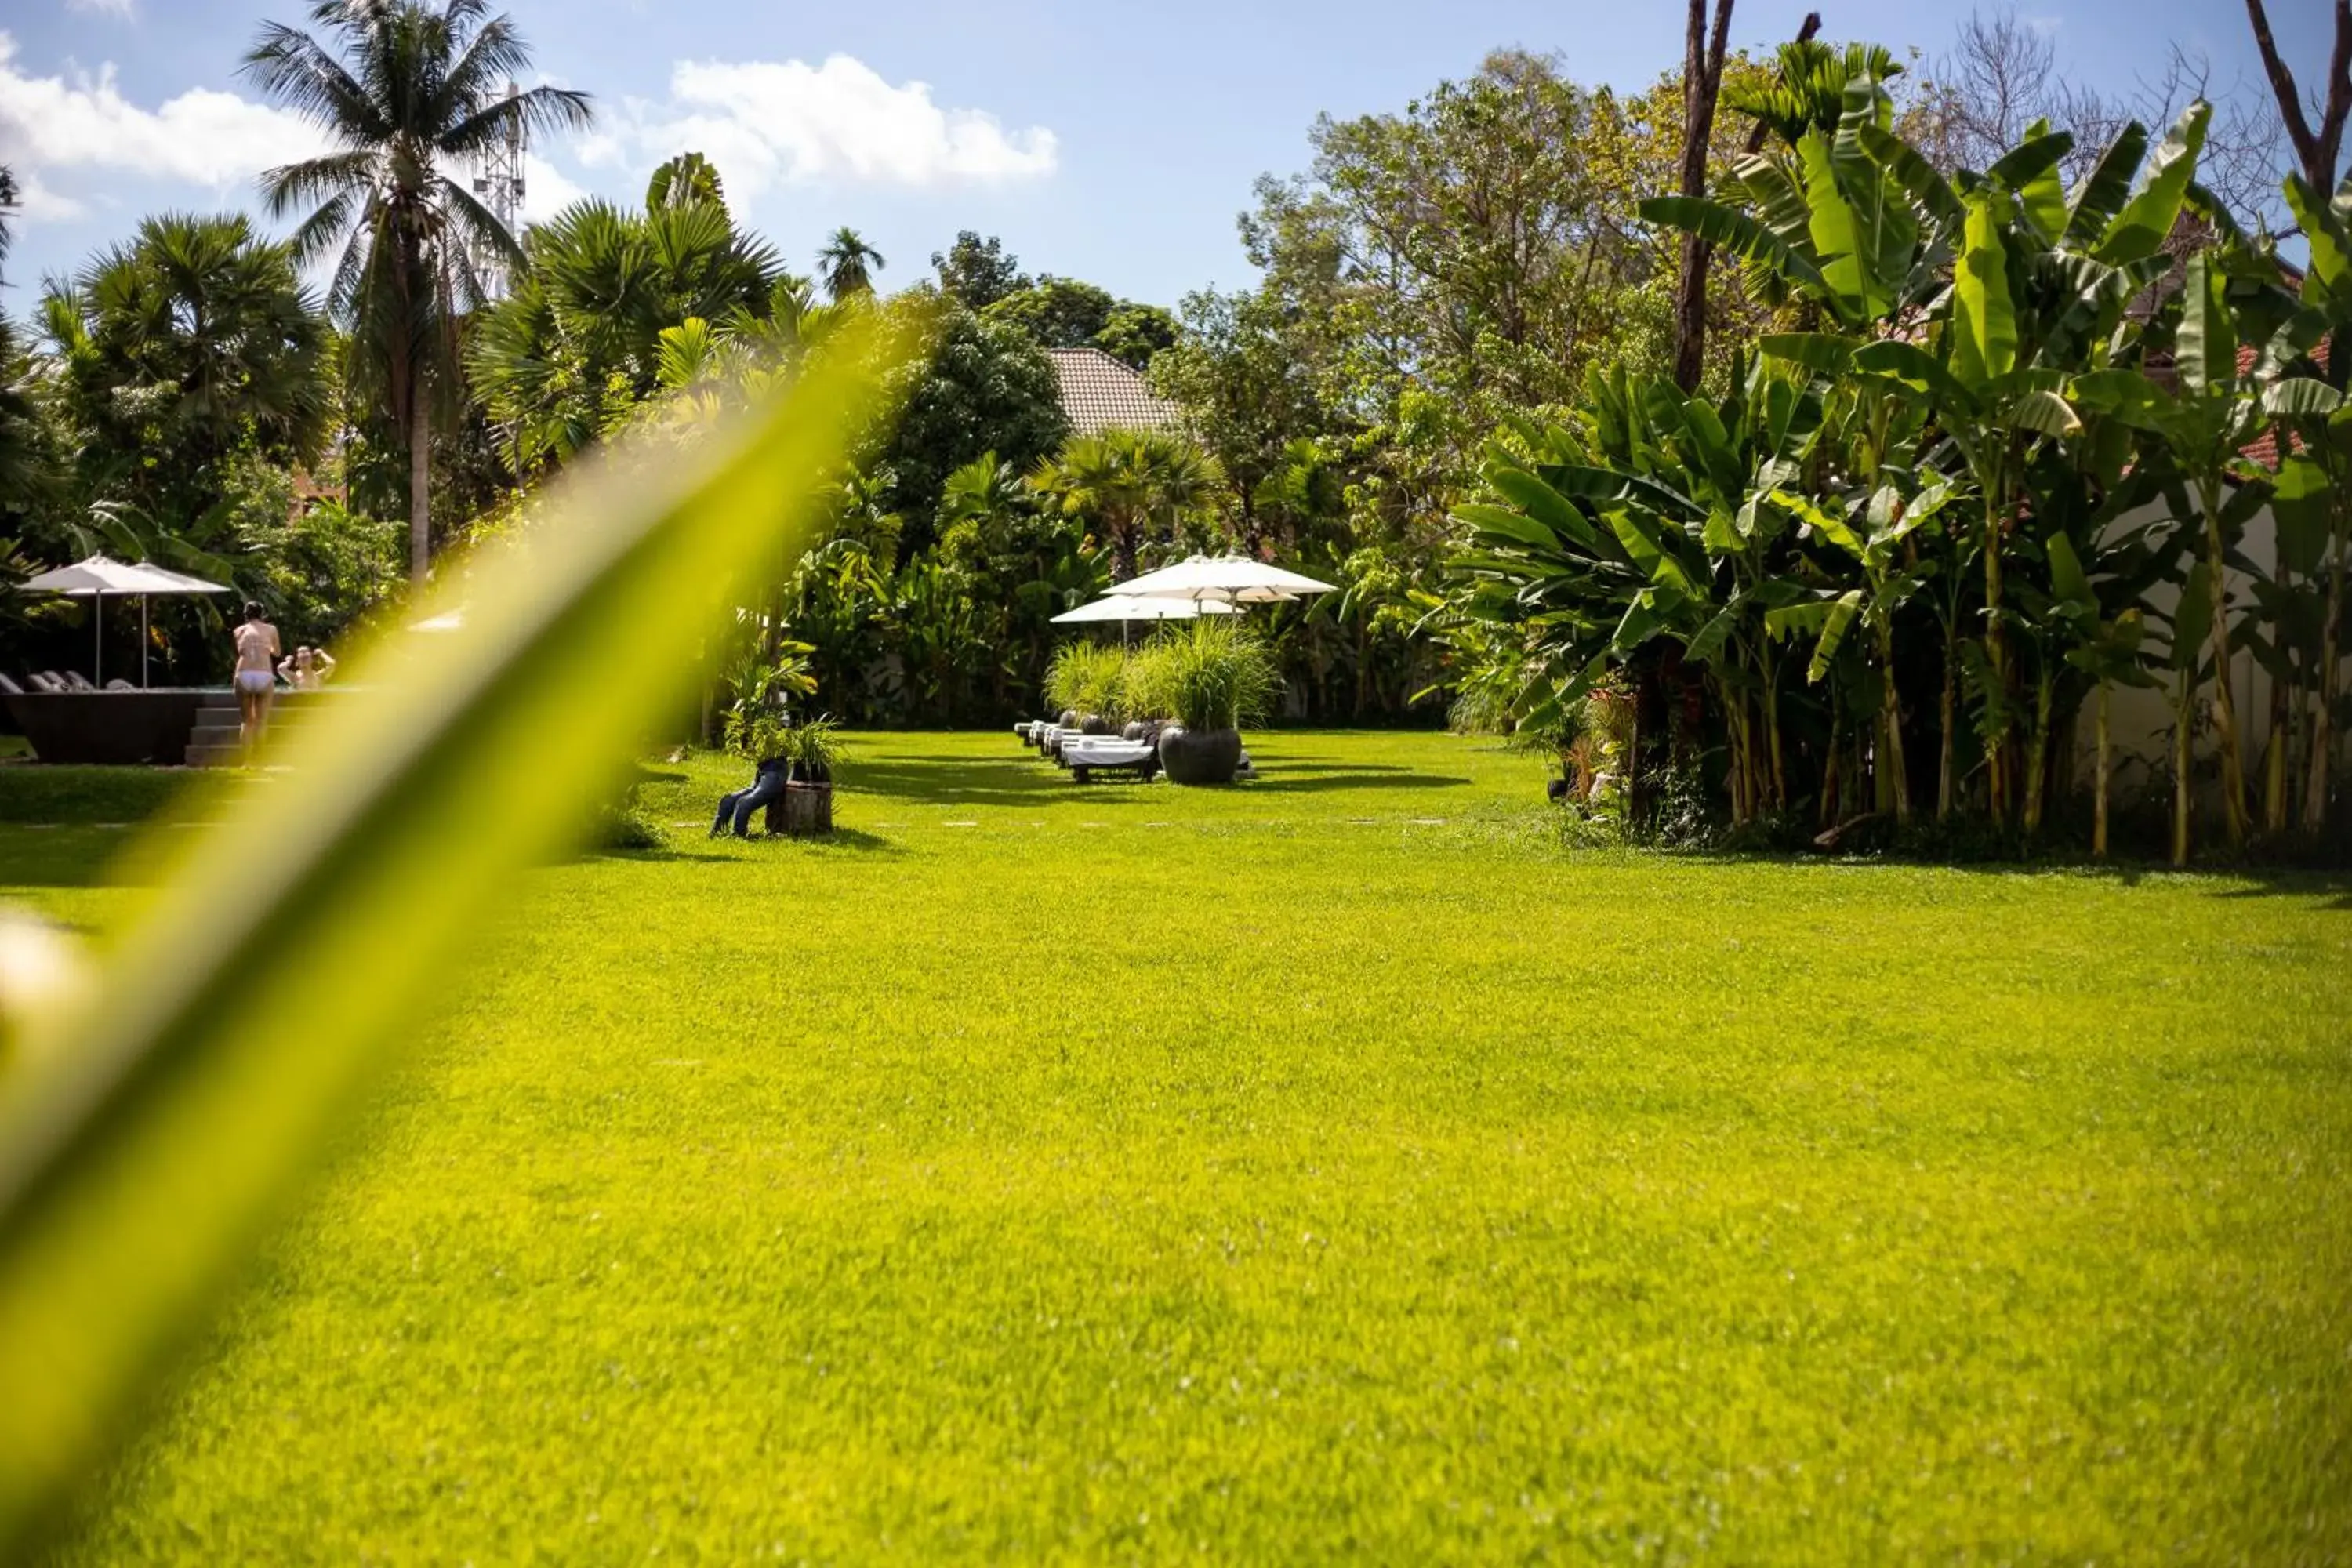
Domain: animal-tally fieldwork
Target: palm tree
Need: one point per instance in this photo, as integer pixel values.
(178, 349)
(687, 180)
(1128, 482)
(848, 264)
(8, 208)
(406, 89)
(587, 314)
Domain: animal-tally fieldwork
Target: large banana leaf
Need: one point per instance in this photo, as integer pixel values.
(1920, 180)
(2105, 189)
(165, 1123)
(2031, 169)
(1914, 367)
(1984, 321)
(2147, 219)
(2206, 352)
(1735, 232)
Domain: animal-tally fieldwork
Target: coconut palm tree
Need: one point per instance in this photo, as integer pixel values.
(7, 210)
(405, 90)
(687, 180)
(848, 264)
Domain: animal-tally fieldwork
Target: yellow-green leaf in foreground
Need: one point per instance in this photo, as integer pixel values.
(163, 1124)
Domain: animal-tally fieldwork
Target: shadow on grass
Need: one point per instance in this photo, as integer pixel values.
(2333, 887)
(1277, 780)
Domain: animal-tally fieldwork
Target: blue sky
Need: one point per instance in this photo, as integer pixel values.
(1102, 139)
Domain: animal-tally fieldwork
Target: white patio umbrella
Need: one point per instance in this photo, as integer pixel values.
(1222, 579)
(97, 577)
(1134, 609)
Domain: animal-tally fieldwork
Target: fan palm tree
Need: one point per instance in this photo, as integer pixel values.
(179, 348)
(405, 90)
(586, 315)
(848, 264)
(1129, 482)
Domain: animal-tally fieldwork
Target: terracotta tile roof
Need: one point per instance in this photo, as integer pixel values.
(1100, 394)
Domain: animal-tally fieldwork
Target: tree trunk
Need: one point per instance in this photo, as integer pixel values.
(2225, 705)
(1948, 711)
(2037, 756)
(2274, 756)
(1702, 80)
(1647, 762)
(2315, 148)
(420, 485)
(2184, 716)
(1997, 757)
(2106, 773)
(1890, 711)
(2323, 723)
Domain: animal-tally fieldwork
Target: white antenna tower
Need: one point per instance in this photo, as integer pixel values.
(498, 185)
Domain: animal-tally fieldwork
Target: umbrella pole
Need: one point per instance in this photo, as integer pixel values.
(143, 640)
(98, 640)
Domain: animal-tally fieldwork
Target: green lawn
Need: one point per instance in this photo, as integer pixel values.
(1333, 1168)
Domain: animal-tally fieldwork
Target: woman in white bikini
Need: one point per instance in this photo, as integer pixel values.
(257, 672)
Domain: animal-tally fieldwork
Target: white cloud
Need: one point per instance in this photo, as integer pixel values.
(122, 8)
(766, 122)
(546, 190)
(49, 124)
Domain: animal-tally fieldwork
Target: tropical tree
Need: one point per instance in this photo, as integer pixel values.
(1131, 485)
(190, 343)
(579, 337)
(407, 92)
(847, 264)
(687, 180)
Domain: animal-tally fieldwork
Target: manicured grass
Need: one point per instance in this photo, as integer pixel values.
(1332, 1168)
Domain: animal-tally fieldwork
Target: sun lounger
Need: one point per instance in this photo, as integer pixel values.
(1085, 755)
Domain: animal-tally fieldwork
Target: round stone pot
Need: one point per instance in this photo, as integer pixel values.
(1132, 732)
(1201, 756)
(1070, 717)
(1094, 724)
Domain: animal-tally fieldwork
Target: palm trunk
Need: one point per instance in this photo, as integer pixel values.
(2106, 773)
(2037, 754)
(420, 487)
(2275, 756)
(2225, 707)
(1949, 712)
(2183, 716)
(1997, 758)
(2323, 720)
(1898, 776)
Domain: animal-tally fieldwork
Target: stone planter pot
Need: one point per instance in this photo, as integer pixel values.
(1070, 717)
(1094, 724)
(1135, 731)
(1200, 756)
(805, 811)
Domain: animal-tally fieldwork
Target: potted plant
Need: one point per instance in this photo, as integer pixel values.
(1207, 678)
(813, 749)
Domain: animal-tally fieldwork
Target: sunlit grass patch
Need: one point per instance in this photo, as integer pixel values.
(1329, 1167)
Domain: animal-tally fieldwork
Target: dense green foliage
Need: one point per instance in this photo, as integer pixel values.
(1892, 561)
(1311, 1228)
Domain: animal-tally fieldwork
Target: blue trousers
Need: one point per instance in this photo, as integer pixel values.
(768, 787)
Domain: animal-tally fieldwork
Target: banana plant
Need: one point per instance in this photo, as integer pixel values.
(2314, 504)
(2205, 428)
(1876, 532)
(2191, 621)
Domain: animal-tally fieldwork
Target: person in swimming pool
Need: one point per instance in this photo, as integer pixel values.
(258, 653)
(306, 667)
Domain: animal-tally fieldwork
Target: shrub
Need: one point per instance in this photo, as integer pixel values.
(1212, 675)
(1089, 677)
